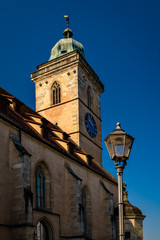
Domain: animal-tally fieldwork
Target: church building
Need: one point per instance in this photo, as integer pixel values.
(52, 182)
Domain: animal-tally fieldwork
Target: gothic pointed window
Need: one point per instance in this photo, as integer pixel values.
(89, 98)
(56, 93)
(41, 232)
(39, 187)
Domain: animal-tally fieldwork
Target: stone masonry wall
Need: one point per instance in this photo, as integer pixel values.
(65, 199)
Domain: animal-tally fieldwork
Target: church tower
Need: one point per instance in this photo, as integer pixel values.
(68, 94)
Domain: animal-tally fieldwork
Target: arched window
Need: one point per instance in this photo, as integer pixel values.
(89, 98)
(43, 231)
(56, 93)
(39, 187)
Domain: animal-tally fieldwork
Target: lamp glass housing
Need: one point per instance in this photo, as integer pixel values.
(119, 144)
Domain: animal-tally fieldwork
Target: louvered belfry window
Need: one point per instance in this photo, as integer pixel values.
(56, 93)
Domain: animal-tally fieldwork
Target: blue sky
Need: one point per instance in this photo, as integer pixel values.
(121, 41)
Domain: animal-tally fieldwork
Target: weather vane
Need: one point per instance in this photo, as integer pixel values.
(67, 20)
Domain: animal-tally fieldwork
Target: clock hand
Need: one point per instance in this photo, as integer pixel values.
(89, 120)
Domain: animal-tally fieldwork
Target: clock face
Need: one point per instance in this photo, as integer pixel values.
(90, 124)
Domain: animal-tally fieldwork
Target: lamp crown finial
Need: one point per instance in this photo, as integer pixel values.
(118, 125)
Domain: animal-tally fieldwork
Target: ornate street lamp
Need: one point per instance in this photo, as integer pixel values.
(119, 145)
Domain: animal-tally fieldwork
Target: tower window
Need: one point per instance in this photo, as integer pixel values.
(89, 98)
(39, 187)
(56, 93)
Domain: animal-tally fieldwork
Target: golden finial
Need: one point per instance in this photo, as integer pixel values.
(67, 20)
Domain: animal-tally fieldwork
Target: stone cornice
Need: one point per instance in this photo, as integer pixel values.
(63, 62)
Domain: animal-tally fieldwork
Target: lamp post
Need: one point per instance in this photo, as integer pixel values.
(119, 145)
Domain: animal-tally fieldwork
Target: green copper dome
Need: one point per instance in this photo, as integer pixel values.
(66, 45)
